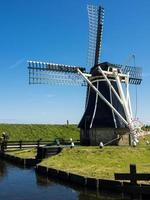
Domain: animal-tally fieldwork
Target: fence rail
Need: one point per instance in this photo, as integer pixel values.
(32, 143)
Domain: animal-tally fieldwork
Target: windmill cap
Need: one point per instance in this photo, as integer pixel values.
(104, 66)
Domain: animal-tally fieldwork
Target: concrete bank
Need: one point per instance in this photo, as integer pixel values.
(25, 162)
(97, 184)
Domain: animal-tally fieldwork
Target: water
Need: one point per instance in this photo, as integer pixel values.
(24, 184)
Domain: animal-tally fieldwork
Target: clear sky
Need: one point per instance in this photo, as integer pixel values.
(57, 31)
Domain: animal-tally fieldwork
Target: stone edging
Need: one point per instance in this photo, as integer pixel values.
(100, 184)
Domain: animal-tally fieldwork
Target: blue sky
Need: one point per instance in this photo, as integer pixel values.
(57, 31)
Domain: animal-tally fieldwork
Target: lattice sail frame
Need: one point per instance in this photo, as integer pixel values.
(96, 19)
(135, 73)
(54, 74)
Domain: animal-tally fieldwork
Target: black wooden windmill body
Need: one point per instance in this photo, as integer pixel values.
(108, 113)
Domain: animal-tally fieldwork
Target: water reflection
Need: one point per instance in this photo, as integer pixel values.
(24, 184)
(43, 181)
(3, 170)
(82, 193)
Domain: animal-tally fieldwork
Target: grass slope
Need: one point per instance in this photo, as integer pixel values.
(25, 153)
(37, 131)
(100, 163)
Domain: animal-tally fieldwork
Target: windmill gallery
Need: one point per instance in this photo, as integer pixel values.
(108, 113)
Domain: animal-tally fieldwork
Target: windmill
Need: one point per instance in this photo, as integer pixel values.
(108, 112)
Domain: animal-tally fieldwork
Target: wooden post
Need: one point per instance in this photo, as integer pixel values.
(20, 144)
(133, 174)
(38, 143)
(5, 145)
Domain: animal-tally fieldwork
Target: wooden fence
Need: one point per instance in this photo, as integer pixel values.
(133, 176)
(30, 143)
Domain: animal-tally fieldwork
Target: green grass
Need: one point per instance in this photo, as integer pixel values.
(100, 163)
(26, 153)
(37, 131)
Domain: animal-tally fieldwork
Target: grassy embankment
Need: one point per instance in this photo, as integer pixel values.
(34, 132)
(87, 161)
(96, 162)
(100, 163)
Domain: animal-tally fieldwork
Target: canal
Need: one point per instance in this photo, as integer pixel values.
(24, 184)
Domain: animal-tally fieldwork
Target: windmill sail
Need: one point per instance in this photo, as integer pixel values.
(55, 74)
(135, 74)
(96, 19)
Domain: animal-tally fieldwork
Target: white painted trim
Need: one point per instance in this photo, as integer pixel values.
(128, 96)
(113, 114)
(95, 107)
(101, 80)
